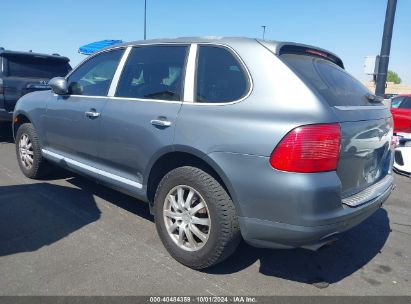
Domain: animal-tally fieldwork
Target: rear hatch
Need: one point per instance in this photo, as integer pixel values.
(25, 73)
(366, 125)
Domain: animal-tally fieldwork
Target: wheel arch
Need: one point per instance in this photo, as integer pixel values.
(19, 118)
(184, 156)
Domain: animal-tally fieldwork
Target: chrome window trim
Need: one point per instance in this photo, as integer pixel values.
(84, 96)
(244, 66)
(188, 44)
(189, 80)
(92, 169)
(117, 74)
(353, 108)
(92, 56)
(122, 98)
(144, 99)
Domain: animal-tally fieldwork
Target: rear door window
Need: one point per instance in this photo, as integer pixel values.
(332, 82)
(153, 72)
(220, 77)
(36, 66)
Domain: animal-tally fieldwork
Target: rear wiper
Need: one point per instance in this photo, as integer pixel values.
(374, 98)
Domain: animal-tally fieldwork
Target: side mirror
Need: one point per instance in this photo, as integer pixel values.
(59, 85)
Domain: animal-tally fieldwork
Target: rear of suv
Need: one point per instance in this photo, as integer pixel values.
(226, 138)
(25, 72)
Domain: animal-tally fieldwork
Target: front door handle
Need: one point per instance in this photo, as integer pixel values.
(92, 113)
(161, 122)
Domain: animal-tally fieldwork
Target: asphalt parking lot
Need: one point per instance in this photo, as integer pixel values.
(70, 236)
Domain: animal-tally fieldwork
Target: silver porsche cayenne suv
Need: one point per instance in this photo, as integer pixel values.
(225, 138)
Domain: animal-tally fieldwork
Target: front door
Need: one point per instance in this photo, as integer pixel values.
(73, 121)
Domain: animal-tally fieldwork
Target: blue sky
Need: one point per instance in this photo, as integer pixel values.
(350, 28)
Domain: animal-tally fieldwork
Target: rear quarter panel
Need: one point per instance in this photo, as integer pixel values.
(278, 102)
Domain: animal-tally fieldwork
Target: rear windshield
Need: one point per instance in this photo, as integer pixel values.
(37, 67)
(333, 83)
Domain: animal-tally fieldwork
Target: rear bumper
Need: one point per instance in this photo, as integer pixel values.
(268, 234)
(5, 115)
(283, 210)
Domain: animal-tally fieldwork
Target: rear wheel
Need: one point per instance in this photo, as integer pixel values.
(195, 218)
(28, 150)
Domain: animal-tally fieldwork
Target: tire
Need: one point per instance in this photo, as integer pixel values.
(28, 151)
(217, 210)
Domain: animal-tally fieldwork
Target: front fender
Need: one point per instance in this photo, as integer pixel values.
(33, 107)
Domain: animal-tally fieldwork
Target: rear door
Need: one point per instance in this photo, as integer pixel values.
(366, 127)
(401, 111)
(28, 73)
(138, 122)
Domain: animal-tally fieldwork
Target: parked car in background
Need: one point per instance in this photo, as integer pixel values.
(225, 138)
(25, 72)
(389, 95)
(402, 154)
(401, 112)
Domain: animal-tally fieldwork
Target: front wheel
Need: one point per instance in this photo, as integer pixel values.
(28, 150)
(195, 218)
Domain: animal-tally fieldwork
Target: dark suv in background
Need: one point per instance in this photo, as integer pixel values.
(25, 72)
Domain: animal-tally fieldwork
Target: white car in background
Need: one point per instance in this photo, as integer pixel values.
(402, 154)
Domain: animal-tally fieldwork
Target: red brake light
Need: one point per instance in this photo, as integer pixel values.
(308, 149)
(315, 52)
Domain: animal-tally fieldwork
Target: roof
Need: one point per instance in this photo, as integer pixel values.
(54, 56)
(220, 40)
(273, 45)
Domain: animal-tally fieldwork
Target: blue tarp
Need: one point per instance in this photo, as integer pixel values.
(91, 48)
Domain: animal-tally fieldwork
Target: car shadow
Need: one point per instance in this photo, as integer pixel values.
(354, 249)
(6, 134)
(119, 199)
(37, 215)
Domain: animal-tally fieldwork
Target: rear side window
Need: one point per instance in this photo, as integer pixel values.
(333, 83)
(153, 72)
(93, 77)
(36, 66)
(220, 77)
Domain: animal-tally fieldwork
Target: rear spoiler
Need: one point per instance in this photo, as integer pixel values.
(280, 48)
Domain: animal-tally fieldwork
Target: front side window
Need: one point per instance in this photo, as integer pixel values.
(220, 77)
(396, 102)
(153, 72)
(406, 104)
(93, 78)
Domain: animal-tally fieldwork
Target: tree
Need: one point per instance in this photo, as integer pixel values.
(393, 77)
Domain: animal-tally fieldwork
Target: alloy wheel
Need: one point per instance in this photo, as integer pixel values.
(187, 218)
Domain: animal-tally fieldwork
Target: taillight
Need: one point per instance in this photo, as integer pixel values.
(308, 149)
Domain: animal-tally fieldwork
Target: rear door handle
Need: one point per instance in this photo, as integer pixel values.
(161, 122)
(92, 114)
